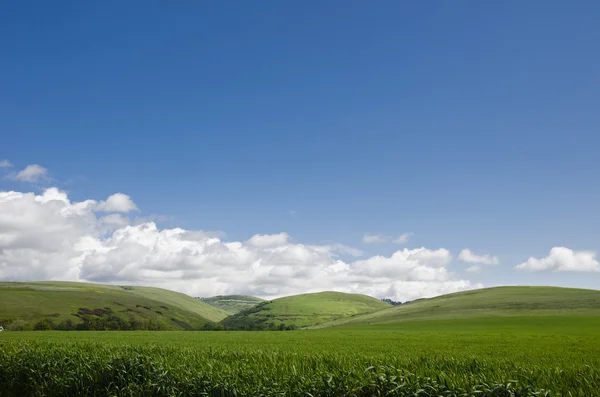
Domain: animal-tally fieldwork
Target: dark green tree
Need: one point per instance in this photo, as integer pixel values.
(43, 325)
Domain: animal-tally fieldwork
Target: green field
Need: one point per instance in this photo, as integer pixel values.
(232, 304)
(560, 355)
(506, 341)
(59, 301)
(304, 310)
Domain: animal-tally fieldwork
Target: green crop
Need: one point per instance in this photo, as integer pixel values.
(301, 363)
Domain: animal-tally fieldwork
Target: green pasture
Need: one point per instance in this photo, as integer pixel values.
(499, 302)
(555, 356)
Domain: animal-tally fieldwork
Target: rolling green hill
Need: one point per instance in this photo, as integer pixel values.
(59, 301)
(24, 304)
(232, 303)
(486, 303)
(303, 310)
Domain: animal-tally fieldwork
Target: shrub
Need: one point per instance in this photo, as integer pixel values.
(213, 327)
(43, 325)
(67, 325)
(18, 325)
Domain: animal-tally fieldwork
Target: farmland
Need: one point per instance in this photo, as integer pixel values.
(420, 358)
(507, 341)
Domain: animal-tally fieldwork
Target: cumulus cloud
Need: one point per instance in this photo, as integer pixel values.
(47, 236)
(117, 202)
(467, 256)
(5, 164)
(562, 259)
(419, 264)
(369, 238)
(32, 173)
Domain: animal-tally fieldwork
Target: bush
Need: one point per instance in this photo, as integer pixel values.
(213, 327)
(18, 325)
(67, 325)
(43, 325)
(82, 327)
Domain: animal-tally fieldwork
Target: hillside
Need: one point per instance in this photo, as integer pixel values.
(232, 303)
(303, 310)
(485, 303)
(95, 304)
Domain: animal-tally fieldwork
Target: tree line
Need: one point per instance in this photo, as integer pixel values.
(109, 323)
(248, 327)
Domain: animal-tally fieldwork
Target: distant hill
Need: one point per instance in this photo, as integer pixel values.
(25, 304)
(303, 310)
(232, 303)
(485, 303)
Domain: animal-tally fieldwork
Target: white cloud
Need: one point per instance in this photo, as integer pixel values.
(117, 220)
(47, 236)
(562, 259)
(474, 269)
(419, 264)
(403, 238)
(117, 202)
(467, 256)
(5, 164)
(369, 238)
(268, 240)
(32, 173)
(374, 239)
(344, 250)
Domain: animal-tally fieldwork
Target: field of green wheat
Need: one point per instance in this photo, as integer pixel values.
(530, 360)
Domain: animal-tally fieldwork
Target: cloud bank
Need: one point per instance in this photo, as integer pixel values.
(46, 236)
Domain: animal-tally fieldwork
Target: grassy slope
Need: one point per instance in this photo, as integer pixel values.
(485, 303)
(57, 300)
(306, 310)
(523, 325)
(232, 303)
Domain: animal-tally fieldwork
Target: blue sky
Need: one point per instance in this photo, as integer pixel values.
(472, 125)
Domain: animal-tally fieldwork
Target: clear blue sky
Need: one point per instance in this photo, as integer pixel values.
(471, 124)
